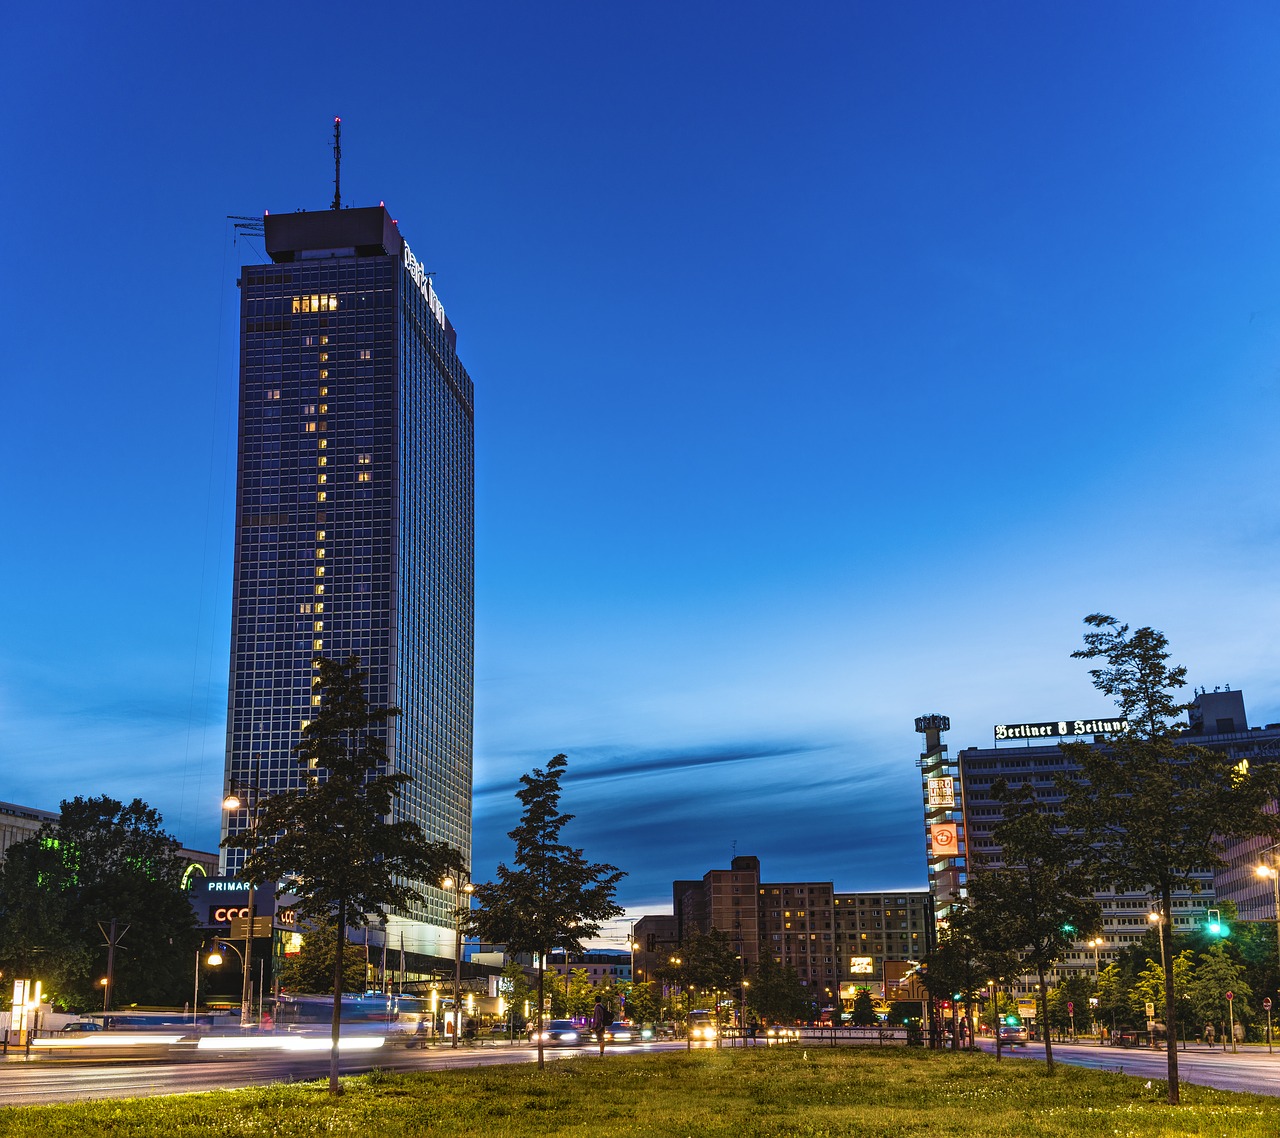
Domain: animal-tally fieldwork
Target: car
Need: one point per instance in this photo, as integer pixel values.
(1011, 1033)
(619, 1032)
(82, 1025)
(558, 1033)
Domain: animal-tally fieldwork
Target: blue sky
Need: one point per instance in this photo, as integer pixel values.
(831, 364)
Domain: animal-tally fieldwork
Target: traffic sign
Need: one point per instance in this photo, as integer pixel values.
(1231, 995)
(1151, 1010)
(1266, 1004)
(1071, 1007)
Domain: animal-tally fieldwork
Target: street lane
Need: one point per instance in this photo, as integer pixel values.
(1251, 1070)
(69, 1080)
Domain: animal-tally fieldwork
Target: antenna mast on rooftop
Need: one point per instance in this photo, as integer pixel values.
(337, 164)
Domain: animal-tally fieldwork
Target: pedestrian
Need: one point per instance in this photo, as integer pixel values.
(599, 1021)
(1208, 1034)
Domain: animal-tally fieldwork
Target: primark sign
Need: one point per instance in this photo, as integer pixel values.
(1060, 729)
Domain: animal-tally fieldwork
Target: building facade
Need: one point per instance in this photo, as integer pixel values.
(354, 522)
(1027, 754)
(835, 942)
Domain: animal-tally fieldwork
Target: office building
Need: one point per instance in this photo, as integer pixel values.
(1027, 754)
(354, 521)
(835, 942)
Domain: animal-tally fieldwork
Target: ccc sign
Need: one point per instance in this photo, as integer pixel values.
(223, 915)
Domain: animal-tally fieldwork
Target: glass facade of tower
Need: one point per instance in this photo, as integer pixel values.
(354, 515)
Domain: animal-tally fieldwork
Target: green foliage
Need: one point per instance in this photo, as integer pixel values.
(776, 994)
(1217, 974)
(552, 897)
(864, 1010)
(516, 989)
(311, 969)
(101, 859)
(642, 1002)
(1113, 996)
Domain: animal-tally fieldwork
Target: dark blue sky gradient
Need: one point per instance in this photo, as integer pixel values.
(831, 363)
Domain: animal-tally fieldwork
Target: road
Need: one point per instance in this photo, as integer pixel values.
(68, 1080)
(1249, 1070)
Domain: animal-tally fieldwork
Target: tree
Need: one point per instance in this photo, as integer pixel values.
(102, 860)
(1038, 901)
(1113, 994)
(515, 989)
(864, 1010)
(1155, 814)
(331, 843)
(711, 965)
(552, 897)
(642, 1005)
(1215, 976)
(311, 968)
(776, 994)
(955, 969)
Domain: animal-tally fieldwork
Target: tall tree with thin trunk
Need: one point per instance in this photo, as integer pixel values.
(1154, 813)
(551, 897)
(1037, 899)
(332, 843)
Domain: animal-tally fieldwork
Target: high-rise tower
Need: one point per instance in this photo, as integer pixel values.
(354, 519)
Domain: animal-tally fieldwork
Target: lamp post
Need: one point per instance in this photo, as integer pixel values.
(1272, 870)
(250, 802)
(106, 984)
(1095, 944)
(460, 888)
(1157, 919)
(742, 1019)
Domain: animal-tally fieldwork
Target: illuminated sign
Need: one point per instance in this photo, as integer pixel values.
(945, 837)
(1060, 728)
(862, 965)
(223, 914)
(189, 874)
(420, 278)
(226, 885)
(942, 793)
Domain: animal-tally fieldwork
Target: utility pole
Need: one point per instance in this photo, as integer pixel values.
(113, 939)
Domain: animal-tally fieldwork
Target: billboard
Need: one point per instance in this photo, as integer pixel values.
(942, 793)
(945, 839)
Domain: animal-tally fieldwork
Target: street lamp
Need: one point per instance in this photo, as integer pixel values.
(742, 1020)
(459, 888)
(250, 802)
(1273, 871)
(105, 985)
(1158, 920)
(1095, 944)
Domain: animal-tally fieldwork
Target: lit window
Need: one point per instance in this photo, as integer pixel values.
(324, 391)
(319, 590)
(307, 341)
(366, 353)
(319, 570)
(320, 606)
(324, 443)
(324, 339)
(319, 626)
(322, 479)
(315, 701)
(304, 607)
(321, 496)
(302, 727)
(319, 535)
(320, 554)
(317, 645)
(322, 461)
(274, 393)
(308, 408)
(364, 476)
(363, 459)
(324, 373)
(309, 427)
(324, 408)
(324, 357)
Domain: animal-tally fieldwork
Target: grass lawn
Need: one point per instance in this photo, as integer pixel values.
(871, 1093)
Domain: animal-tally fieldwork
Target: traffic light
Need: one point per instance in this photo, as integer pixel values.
(1068, 929)
(1215, 925)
